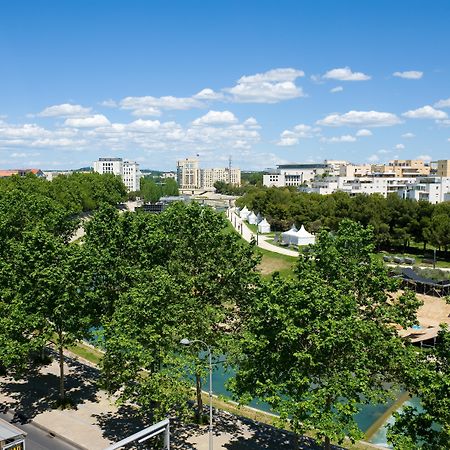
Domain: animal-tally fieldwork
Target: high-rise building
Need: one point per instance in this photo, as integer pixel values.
(191, 178)
(127, 170)
(188, 174)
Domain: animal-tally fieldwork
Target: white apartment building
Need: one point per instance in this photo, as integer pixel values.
(294, 174)
(127, 170)
(430, 189)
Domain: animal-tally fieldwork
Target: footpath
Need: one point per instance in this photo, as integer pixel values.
(97, 421)
(241, 227)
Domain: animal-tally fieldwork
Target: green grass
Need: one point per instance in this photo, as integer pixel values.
(276, 262)
(87, 352)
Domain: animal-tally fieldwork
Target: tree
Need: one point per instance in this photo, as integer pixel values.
(428, 377)
(53, 289)
(317, 347)
(184, 276)
(150, 191)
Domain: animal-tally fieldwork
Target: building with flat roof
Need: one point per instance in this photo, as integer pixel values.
(128, 170)
(192, 179)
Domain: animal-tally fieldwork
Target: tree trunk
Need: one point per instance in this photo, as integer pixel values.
(327, 444)
(62, 393)
(198, 387)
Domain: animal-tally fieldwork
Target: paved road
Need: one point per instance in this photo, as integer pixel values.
(38, 439)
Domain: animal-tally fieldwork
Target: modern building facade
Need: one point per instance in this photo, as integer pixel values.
(128, 170)
(192, 179)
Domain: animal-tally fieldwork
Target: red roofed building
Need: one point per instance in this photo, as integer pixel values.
(21, 172)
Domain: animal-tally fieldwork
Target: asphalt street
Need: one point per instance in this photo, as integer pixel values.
(38, 439)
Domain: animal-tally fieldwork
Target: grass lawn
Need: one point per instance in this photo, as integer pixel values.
(276, 262)
(87, 352)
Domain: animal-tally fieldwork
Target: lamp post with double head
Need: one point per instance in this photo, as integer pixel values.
(189, 342)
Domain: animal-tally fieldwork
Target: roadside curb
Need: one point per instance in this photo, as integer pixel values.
(51, 432)
(59, 436)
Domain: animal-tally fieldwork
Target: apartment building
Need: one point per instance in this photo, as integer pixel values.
(128, 170)
(192, 178)
(430, 189)
(443, 168)
(295, 174)
(403, 168)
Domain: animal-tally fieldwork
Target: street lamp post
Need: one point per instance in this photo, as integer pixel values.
(189, 342)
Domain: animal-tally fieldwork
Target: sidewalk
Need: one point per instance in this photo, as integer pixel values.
(241, 227)
(98, 422)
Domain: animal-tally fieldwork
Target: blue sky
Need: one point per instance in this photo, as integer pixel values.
(266, 82)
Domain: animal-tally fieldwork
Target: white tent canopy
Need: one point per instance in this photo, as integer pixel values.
(264, 226)
(290, 236)
(244, 213)
(305, 238)
(300, 237)
(251, 218)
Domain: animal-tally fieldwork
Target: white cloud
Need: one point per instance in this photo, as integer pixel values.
(336, 89)
(62, 142)
(64, 110)
(409, 74)
(444, 123)
(426, 158)
(426, 112)
(208, 94)
(337, 139)
(152, 106)
(109, 103)
(251, 122)
(273, 76)
(383, 151)
(442, 103)
(360, 118)
(408, 135)
(363, 132)
(300, 131)
(373, 158)
(399, 147)
(345, 74)
(216, 118)
(269, 87)
(97, 120)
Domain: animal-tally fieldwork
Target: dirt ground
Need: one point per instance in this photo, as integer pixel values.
(434, 311)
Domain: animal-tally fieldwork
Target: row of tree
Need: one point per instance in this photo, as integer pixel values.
(152, 189)
(396, 222)
(76, 193)
(315, 347)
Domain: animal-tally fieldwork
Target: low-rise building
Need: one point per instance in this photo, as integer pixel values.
(294, 174)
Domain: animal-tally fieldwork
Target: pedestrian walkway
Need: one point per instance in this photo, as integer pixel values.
(97, 421)
(247, 234)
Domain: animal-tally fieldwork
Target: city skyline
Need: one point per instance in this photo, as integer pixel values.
(265, 83)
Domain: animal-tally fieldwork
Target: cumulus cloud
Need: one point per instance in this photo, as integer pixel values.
(363, 132)
(373, 158)
(208, 94)
(336, 89)
(216, 118)
(360, 118)
(109, 103)
(426, 158)
(64, 110)
(338, 139)
(408, 135)
(442, 103)
(345, 74)
(273, 76)
(152, 106)
(300, 131)
(399, 147)
(97, 120)
(409, 74)
(426, 112)
(269, 87)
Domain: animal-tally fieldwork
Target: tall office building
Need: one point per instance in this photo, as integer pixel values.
(127, 170)
(188, 174)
